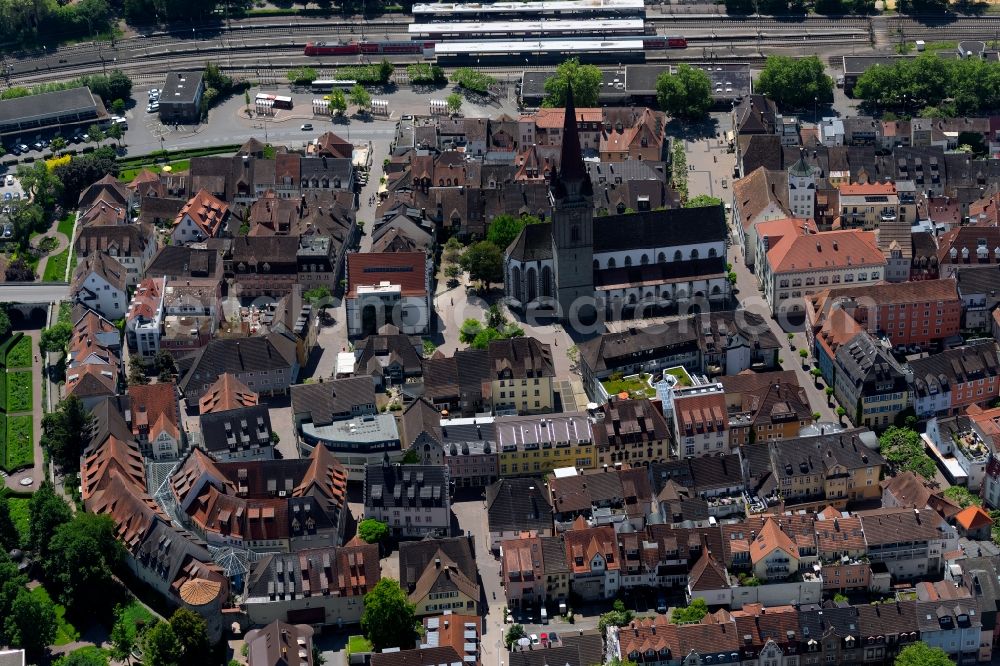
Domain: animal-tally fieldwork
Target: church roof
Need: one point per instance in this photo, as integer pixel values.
(571, 166)
(659, 228)
(534, 243)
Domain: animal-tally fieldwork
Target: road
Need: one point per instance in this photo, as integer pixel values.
(38, 292)
(710, 165)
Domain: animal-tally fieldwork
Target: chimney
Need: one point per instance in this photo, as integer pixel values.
(437, 562)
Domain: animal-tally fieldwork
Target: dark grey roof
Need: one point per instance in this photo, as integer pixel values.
(613, 349)
(523, 357)
(659, 228)
(179, 261)
(332, 400)
(47, 105)
(808, 455)
(431, 656)
(458, 375)
(236, 356)
(406, 486)
(534, 243)
(815, 623)
(181, 87)
(888, 619)
(391, 346)
(976, 279)
(236, 429)
(518, 505)
(867, 364)
(325, 167)
(414, 556)
(573, 650)
(951, 366)
(698, 474)
(715, 328)
(944, 615)
(554, 555)
(892, 526)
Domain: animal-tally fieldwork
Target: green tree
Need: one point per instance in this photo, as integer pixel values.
(360, 97)
(82, 171)
(191, 631)
(484, 262)
(89, 655)
(372, 531)
(160, 646)
(921, 654)
(95, 133)
(454, 102)
(338, 102)
(470, 329)
(514, 633)
(116, 85)
(696, 610)
(24, 221)
(495, 317)
(123, 637)
(962, 496)
(4, 322)
(504, 229)
(116, 132)
(137, 371)
(614, 618)
(12, 582)
(165, 364)
(246, 99)
(485, 337)
(83, 555)
(9, 536)
(703, 201)
(58, 144)
(686, 93)
(903, 449)
(64, 433)
(385, 70)
(44, 186)
(31, 624)
(387, 618)
(318, 296)
(47, 512)
(302, 76)
(795, 83)
(585, 79)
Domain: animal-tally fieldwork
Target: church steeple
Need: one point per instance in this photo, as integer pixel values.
(572, 177)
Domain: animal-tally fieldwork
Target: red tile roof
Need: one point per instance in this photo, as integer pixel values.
(226, 393)
(154, 410)
(973, 518)
(702, 412)
(406, 269)
(831, 249)
(206, 211)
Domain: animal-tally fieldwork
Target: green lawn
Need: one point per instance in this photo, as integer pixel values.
(21, 515)
(19, 356)
(356, 644)
(127, 175)
(65, 632)
(19, 390)
(55, 268)
(683, 379)
(66, 225)
(135, 613)
(20, 451)
(636, 386)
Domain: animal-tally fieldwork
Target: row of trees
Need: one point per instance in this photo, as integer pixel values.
(31, 22)
(937, 86)
(800, 7)
(798, 83)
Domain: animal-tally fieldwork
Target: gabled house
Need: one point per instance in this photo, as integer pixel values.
(592, 558)
(203, 217)
(99, 282)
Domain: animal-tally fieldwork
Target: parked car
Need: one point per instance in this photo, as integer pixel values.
(9, 180)
(307, 127)
(534, 639)
(23, 147)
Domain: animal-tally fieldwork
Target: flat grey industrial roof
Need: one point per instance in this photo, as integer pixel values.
(520, 7)
(359, 430)
(729, 81)
(537, 26)
(181, 87)
(47, 105)
(545, 45)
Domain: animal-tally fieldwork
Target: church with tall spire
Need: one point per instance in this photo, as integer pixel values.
(631, 265)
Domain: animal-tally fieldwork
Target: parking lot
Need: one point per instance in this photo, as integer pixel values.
(12, 195)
